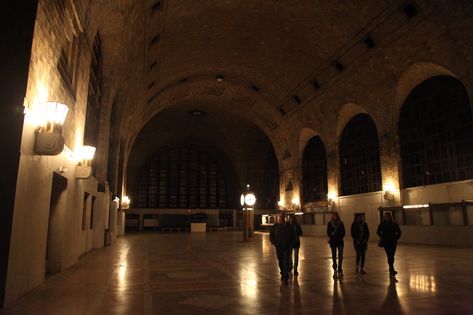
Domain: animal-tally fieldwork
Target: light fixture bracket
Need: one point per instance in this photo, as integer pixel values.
(48, 143)
(83, 171)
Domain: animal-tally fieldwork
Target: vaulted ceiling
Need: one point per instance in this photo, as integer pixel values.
(158, 53)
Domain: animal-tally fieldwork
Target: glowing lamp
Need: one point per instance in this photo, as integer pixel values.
(84, 156)
(125, 204)
(247, 199)
(50, 117)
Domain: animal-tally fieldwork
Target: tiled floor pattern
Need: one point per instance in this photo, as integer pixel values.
(218, 273)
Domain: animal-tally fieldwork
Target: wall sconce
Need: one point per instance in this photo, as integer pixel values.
(281, 204)
(84, 155)
(388, 190)
(331, 196)
(388, 195)
(125, 202)
(50, 117)
(296, 203)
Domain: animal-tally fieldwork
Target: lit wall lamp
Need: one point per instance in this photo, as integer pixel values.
(50, 117)
(84, 155)
(281, 204)
(125, 202)
(388, 195)
(296, 203)
(331, 197)
(388, 191)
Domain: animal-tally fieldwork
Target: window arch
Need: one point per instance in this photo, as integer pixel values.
(314, 171)
(360, 169)
(436, 133)
(182, 178)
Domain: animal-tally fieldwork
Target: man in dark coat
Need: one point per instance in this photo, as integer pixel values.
(282, 236)
(335, 233)
(389, 233)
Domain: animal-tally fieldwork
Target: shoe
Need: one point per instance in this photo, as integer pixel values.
(362, 272)
(356, 269)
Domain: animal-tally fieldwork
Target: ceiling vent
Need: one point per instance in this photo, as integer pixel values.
(369, 42)
(411, 10)
(339, 66)
(153, 65)
(155, 39)
(151, 84)
(156, 6)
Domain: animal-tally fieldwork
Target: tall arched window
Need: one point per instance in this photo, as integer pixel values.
(436, 133)
(94, 98)
(314, 171)
(182, 178)
(360, 168)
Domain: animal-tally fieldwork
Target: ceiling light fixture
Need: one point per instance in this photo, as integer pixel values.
(197, 112)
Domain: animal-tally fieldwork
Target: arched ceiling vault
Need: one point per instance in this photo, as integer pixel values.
(219, 97)
(158, 53)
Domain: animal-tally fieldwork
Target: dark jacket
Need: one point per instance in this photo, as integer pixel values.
(335, 232)
(360, 232)
(298, 231)
(282, 236)
(389, 233)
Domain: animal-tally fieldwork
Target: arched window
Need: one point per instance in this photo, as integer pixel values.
(314, 171)
(94, 98)
(436, 133)
(359, 157)
(182, 178)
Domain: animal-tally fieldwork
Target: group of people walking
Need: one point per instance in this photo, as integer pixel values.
(285, 236)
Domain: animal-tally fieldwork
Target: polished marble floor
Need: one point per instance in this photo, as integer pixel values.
(218, 273)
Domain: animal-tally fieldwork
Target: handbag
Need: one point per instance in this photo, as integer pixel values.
(380, 243)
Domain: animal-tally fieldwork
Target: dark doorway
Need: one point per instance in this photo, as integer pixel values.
(57, 209)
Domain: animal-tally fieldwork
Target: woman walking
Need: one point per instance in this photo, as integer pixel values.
(335, 233)
(360, 234)
(389, 233)
(297, 243)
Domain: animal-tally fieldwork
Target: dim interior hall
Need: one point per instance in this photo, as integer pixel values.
(138, 118)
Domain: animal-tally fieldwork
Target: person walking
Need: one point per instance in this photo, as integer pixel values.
(389, 233)
(335, 233)
(297, 243)
(360, 234)
(282, 236)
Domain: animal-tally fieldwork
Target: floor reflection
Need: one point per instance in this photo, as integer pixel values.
(217, 273)
(249, 281)
(423, 283)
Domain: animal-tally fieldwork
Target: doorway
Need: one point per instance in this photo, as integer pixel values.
(57, 209)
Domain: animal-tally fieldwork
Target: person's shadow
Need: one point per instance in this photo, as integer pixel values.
(391, 303)
(337, 296)
(284, 299)
(340, 299)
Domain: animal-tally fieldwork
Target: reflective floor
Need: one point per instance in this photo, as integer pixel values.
(217, 273)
